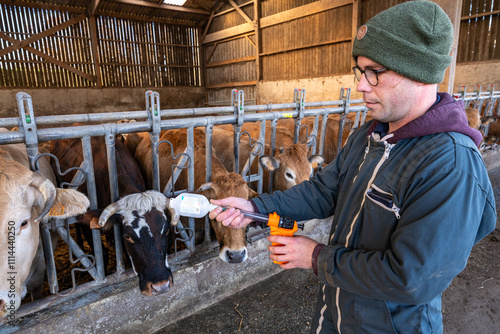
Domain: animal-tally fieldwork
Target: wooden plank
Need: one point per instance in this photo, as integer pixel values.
(340, 40)
(233, 84)
(302, 11)
(163, 6)
(231, 61)
(465, 18)
(241, 12)
(20, 44)
(228, 33)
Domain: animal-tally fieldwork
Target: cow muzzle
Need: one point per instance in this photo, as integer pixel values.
(158, 288)
(233, 255)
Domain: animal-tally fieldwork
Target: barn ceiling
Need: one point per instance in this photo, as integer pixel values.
(193, 12)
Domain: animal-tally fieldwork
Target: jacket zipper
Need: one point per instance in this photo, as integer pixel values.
(379, 196)
(388, 148)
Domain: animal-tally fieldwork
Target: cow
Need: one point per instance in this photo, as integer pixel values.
(290, 164)
(478, 122)
(232, 241)
(26, 198)
(330, 148)
(141, 213)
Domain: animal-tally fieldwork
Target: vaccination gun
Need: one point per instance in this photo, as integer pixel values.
(197, 206)
(276, 224)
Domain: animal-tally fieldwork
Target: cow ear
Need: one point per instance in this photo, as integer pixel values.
(316, 160)
(269, 163)
(208, 190)
(69, 203)
(252, 193)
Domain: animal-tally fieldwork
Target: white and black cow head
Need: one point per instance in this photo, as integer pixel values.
(147, 220)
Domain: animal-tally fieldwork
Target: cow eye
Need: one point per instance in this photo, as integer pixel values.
(127, 237)
(24, 224)
(289, 175)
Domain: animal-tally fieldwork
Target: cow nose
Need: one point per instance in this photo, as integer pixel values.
(158, 288)
(236, 256)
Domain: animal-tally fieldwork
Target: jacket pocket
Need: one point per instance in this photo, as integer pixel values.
(383, 198)
(379, 218)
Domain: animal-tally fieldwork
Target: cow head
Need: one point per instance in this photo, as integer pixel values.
(145, 233)
(25, 198)
(232, 241)
(290, 165)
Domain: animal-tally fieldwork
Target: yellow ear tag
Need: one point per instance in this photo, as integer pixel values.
(57, 210)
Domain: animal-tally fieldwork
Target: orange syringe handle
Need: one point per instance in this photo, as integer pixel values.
(276, 225)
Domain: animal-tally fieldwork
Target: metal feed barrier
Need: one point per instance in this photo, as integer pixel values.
(34, 130)
(154, 120)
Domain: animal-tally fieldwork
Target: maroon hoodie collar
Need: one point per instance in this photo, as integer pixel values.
(448, 115)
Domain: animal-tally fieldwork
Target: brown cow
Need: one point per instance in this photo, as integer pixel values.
(332, 132)
(478, 122)
(290, 163)
(145, 224)
(232, 241)
(26, 198)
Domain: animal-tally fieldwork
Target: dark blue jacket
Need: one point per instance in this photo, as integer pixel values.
(408, 208)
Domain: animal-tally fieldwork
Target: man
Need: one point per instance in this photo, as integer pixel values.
(409, 192)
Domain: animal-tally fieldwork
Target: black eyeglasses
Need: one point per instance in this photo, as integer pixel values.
(370, 75)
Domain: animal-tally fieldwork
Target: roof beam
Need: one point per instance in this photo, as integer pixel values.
(163, 6)
(241, 12)
(93, 7)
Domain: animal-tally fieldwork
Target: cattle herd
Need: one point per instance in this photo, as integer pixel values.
(146, 219)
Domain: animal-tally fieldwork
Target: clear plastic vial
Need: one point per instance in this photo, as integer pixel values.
(191, 205)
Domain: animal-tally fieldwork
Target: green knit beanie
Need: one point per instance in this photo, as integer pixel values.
(413, 39)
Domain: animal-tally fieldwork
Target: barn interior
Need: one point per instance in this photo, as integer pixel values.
(76, 57)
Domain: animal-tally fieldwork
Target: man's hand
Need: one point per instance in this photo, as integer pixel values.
(296, 250)
(231, 217)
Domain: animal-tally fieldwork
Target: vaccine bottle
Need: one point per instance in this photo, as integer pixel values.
(191, 205)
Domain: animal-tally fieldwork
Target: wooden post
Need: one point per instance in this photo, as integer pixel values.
(453, 9)
(95, 49)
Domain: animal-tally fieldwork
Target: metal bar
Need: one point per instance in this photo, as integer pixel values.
(113, 185)
(92, 195)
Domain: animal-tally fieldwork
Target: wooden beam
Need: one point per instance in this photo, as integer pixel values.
(465, 18)
(355, 23)
(258, 44)
(232, 9)
(163, 6)
(231, 61)
(208, 25)
(227, 33)
(16, 45)
(37, 5)
(95, 50)
(199, 3)
(93, 6)
(241, 12)
(233, 84)
(302, 11)
(341, 40)
(292, 14)
(145, 19)
(51, 59)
